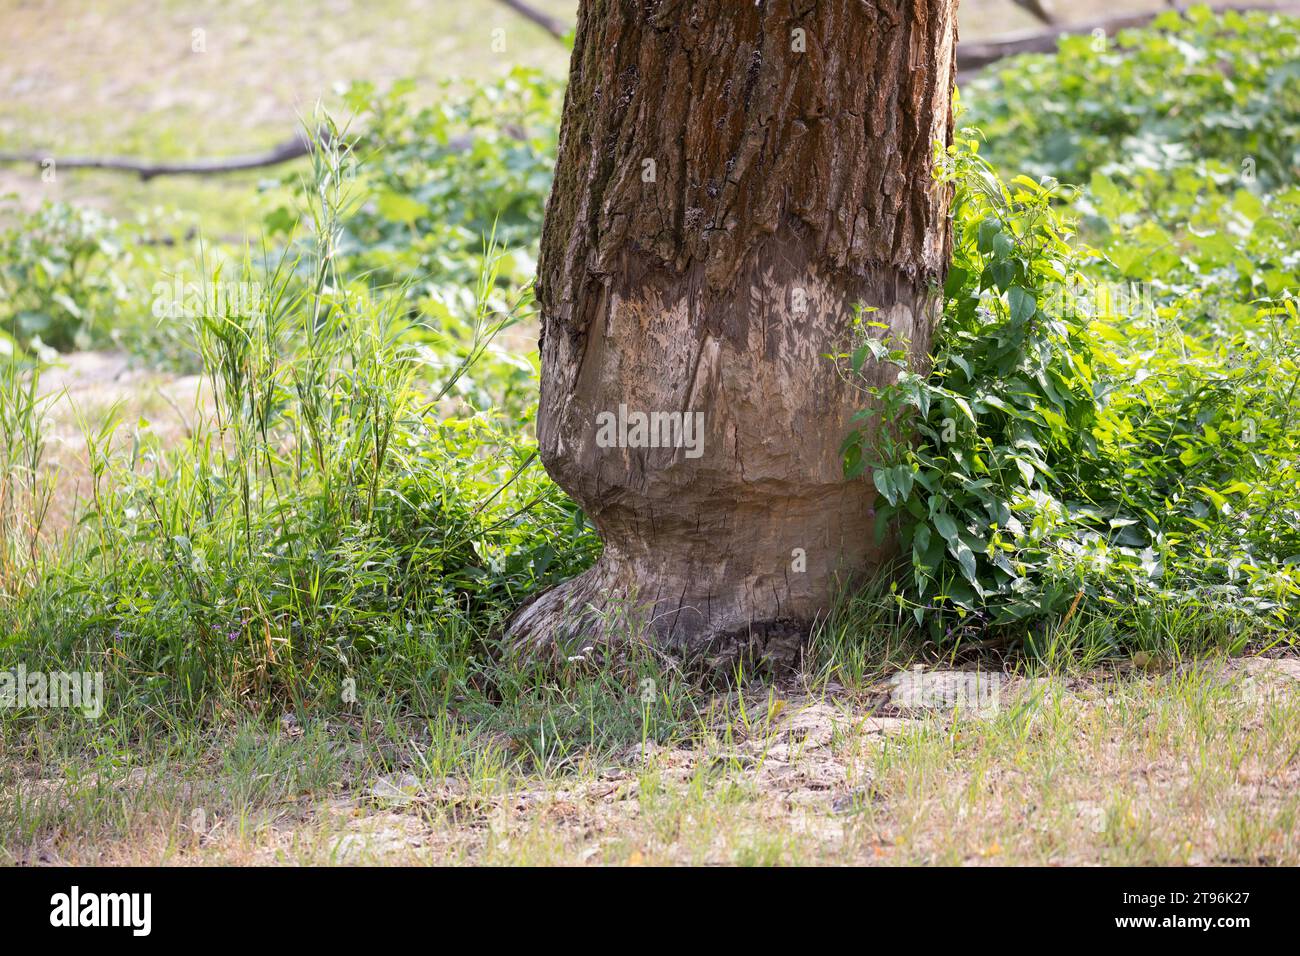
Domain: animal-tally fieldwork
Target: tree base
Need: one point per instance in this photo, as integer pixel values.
(599, 612)
(734, 211)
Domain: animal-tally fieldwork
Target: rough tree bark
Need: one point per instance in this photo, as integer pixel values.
(733, 177)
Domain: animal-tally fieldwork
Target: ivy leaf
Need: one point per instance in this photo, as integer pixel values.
(1023, 304)
(885, 484)
(966, 558)
(946, 527)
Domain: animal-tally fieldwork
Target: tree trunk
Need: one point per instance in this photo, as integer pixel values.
(733, 178)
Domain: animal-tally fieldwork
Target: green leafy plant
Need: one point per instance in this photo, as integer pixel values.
(441, 177)
(1004, 416)
(58, 277)
(1080, 450)
(1195, 86)
(334, 508)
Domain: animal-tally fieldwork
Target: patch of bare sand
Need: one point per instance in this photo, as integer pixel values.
(1089, 770)
(83, 391)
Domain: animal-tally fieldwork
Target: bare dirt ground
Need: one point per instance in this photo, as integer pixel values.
(83, 391)
(1195, 765)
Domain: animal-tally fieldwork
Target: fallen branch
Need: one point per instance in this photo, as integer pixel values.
(544, 20)
(146, 170)
(1037, 10)
(974, 55)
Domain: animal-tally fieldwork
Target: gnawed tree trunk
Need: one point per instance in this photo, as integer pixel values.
(733, 177)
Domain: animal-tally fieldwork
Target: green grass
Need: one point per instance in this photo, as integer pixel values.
(358, 496)
(1192, 765)
(354, 503)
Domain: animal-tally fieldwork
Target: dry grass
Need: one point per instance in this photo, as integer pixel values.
(1197, 765)
(85, 390)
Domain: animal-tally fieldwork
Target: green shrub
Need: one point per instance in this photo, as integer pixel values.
(1192, 88)
(1109, 430)
(982, 502)
(58, 277)
(447, 193)
(336, 512)
(442, 177)
(1081, 445)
